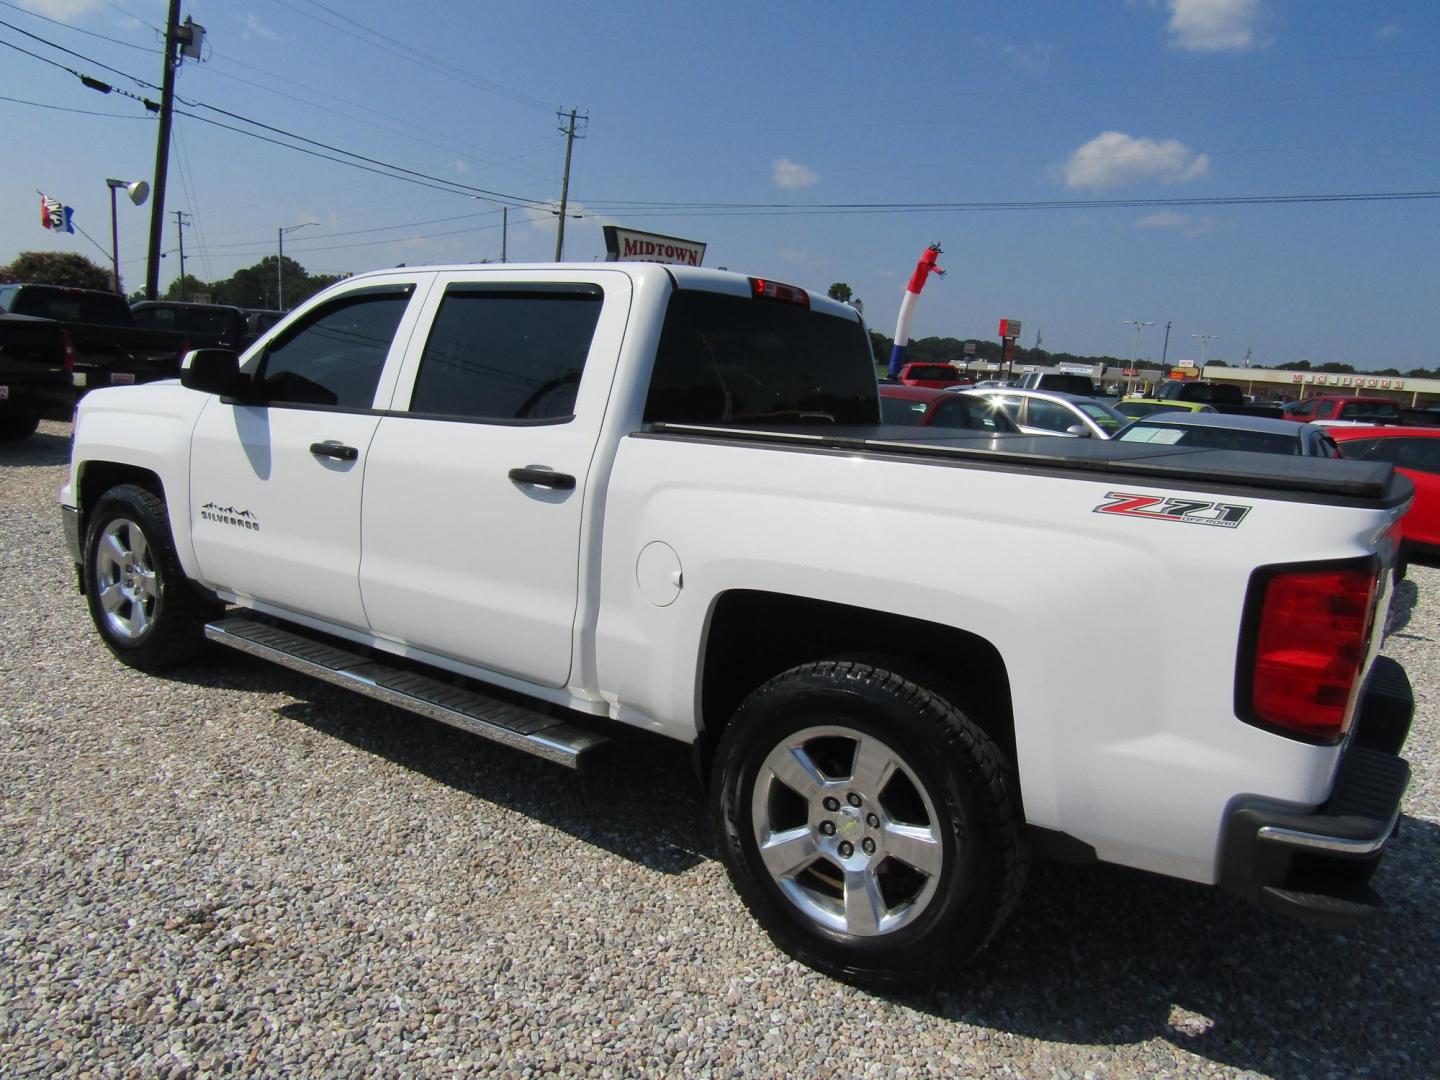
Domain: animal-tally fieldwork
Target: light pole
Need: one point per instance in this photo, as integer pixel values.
(1135, 347)
(1204, 340)
(137, 190)
(280, 262)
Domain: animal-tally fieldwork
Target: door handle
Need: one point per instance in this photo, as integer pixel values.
(546, 478)
(332, 449)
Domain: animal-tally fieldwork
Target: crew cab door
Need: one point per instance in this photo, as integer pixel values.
(476, 482)
(275, 480)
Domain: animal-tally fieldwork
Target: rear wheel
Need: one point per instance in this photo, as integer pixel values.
(868, 824)
(145, 608)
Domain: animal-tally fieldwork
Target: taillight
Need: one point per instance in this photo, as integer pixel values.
(762, 289)
(69, 345)
(1306, 632)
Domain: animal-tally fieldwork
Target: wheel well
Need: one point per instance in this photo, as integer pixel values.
(98, 477)
(754, 636)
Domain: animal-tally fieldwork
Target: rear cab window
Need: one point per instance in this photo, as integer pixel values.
(732, 360)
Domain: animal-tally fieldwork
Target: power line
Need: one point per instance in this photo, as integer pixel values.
(72, 52)
(386, 43)
(82, 112)
(76, 29)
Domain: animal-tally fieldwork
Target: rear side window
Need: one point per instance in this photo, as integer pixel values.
(733, 359)
(507, 354)
(334, 356)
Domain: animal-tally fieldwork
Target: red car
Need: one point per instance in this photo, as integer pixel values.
(933, 375)
(1415, 451)
(921, 406)
(1344, 408)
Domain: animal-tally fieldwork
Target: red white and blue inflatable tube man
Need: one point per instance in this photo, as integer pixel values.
(923, 269)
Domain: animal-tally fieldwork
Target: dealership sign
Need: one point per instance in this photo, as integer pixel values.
(626, 245)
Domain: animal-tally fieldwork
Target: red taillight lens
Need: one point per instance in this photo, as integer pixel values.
(762, 289)
(1310, 629)
(69, 343)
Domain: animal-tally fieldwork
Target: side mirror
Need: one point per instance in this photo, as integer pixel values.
(213, 371)
(1078, 430)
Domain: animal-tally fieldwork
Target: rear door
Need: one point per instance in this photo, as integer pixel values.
(476, 480)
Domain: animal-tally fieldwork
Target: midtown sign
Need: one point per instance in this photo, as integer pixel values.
(626, 245)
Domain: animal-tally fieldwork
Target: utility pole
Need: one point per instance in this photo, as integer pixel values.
(180, 223)
(1204, 340)
(505, 230)
(1135, 348)
(162, 148)
(1165, 352)
(565, 183)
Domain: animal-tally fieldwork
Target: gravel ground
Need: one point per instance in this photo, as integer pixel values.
(235, 870)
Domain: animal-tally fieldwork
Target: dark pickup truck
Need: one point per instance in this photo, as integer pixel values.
(1222, 397)
(207, 326)
(91, 333)
(34, 376)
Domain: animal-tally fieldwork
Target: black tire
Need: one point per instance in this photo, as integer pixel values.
(949, 783)
(17, 423)
(147, 611)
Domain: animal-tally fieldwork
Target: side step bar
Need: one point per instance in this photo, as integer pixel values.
(512, 725)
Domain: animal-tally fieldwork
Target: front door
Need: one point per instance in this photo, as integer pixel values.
(275, 482)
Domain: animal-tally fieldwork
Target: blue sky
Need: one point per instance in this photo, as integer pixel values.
(800, 105)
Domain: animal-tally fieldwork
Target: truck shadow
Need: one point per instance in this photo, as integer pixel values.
(1094, 955)
(640, 801)
(1101, 955)
(42, 449)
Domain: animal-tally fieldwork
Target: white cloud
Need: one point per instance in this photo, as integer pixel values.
(64, 10)
(254, 28)
(1214, 25)
(790, 175)
(800, 256)
(460, 167)
(1031, 59)
(1388, 31)
(1184, 224)
(1113, 158)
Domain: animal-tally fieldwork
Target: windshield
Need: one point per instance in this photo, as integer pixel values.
(1370, 410)
(72, 305)
(1103, 415)
(1208, 438)
(734, 359)
(934, 372)
(900, 411)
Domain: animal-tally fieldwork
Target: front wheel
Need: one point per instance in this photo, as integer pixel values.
(146, 610)
(868, 824)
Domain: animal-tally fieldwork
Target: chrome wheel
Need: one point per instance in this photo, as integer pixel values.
(847, 830)
(126, 581)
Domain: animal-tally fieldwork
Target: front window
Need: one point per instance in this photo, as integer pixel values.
(334, 356)
(1208, 438)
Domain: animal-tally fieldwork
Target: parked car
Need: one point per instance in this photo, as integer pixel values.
(92, 334)
(206, 326)
(926, 407)
(1344, 409)
(1414, 452)
(1137, 407)
(1063, 382)
(933, 375)
(1224, 397)
(1045, 412)
(1218, 431)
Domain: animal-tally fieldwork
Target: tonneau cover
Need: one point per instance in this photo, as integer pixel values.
(1367, 481)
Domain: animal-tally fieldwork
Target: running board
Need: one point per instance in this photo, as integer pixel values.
(512, 725)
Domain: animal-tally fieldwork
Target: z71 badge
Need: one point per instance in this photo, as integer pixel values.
(1190, 511)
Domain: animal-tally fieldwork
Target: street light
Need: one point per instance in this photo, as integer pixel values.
(280, 262)
(1204, 340)
(1134, 348)
(138, 190)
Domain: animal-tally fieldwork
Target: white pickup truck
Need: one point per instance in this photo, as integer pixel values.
(537, 502)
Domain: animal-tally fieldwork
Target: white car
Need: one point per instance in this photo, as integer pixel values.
(1049, 412)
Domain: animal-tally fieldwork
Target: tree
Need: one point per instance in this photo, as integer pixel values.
(58, 268)
(839, 291)
(186, 288)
